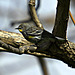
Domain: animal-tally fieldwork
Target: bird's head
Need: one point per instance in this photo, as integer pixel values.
(22, 27)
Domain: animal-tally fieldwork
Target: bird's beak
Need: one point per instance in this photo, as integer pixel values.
(17, 28)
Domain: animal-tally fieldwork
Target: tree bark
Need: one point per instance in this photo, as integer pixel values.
(62, 16)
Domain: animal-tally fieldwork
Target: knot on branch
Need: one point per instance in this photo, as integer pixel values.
(25, 49)
(32, 2)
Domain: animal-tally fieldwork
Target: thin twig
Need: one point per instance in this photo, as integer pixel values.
(21, 21)
(71, 17)
(38, 5)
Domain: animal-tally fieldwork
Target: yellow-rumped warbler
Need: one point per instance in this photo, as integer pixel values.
(35, 34)
(30, 32)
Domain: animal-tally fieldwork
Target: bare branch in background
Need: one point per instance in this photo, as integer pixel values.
(38, 5)
(72, 17)
(43, 66)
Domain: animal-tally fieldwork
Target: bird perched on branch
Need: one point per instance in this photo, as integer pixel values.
(30, 32)
(35, 34)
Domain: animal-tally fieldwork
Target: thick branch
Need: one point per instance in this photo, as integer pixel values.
(62, 16)
(9, 48)
(14, 39)
(64, 51)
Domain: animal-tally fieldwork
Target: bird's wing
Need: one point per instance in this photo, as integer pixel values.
(34, 31)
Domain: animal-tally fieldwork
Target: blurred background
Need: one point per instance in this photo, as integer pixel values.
(17, 10)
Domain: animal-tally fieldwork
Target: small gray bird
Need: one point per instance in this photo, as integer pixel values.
(30, 32)
(35, 34)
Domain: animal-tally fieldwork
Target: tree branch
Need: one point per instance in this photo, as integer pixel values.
(61, 20)
(71, 17)
(33, 14)
(43, 66)
(64, 51)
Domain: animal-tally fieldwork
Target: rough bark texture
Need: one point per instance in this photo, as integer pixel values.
(62, 16)
(62, 50)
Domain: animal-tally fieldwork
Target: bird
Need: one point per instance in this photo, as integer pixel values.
(35, 34)
(30, 32)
